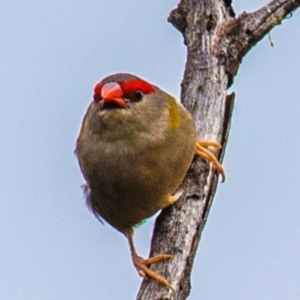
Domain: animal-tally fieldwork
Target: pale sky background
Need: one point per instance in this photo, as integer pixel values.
(52, 54)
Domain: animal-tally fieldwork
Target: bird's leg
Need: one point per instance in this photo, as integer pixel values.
(142, 264)
(201, 150)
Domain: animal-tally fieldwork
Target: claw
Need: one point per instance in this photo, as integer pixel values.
(203, 152)
(142, 264)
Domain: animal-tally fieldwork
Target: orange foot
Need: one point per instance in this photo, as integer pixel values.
(142, 264)
(201, 150)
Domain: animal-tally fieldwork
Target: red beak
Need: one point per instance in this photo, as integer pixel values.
(112, 92)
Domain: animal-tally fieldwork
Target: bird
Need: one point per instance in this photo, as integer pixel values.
(134, 148)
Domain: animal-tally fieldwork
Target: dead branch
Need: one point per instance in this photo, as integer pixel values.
(216, 43)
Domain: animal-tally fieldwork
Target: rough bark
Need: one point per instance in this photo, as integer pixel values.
(216, 43)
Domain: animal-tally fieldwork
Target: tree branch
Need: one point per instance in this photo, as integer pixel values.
(239, 35)
(260, 22)
(216, 42)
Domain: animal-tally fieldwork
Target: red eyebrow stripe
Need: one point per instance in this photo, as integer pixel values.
(97, 88)
(131, 86)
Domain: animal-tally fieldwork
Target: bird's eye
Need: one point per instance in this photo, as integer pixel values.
(139, 95)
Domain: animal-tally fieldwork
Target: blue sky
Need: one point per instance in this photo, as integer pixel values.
(52, 54)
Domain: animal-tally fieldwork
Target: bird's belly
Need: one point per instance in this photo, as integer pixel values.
(130, 186)
(128, 193)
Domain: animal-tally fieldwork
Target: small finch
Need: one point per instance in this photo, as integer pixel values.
(135, 147)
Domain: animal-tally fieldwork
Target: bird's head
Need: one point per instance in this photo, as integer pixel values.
(121, 91)
(124, 104)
